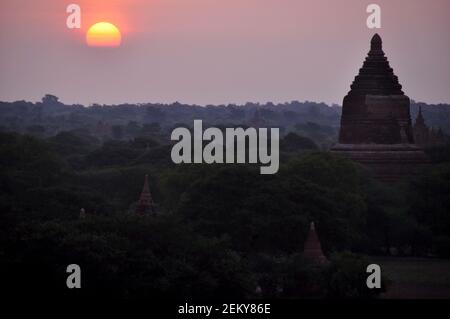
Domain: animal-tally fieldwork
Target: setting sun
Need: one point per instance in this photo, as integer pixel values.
(103, 34)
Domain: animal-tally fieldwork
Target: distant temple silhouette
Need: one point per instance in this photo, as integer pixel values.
(376, 128)
(313, 249)
(423, 135)
(145, 205)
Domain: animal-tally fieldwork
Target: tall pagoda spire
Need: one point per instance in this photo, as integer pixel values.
(313, 248)
(145, 205)
(375, 110)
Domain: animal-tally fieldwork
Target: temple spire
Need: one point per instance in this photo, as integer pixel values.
(376, 111)
(313, 248)
(420, 119)
(145, 205)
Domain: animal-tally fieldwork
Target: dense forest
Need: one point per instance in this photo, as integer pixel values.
(316, 121)
(220, 230)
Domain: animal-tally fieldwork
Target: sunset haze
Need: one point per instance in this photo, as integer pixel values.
(214, 52)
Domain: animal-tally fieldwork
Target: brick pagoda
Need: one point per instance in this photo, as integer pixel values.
(376, 128)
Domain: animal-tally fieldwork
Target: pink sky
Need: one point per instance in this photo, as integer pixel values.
(221, 51)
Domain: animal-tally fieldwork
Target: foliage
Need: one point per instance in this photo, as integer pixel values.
(223, 230)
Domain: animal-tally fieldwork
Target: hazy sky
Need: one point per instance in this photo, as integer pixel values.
(219, 51)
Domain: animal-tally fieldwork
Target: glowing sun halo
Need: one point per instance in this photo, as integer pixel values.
(103, 34)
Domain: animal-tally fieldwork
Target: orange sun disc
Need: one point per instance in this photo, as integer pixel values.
(103, 34)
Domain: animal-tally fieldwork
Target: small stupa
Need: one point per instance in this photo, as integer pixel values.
(313, 248)
(145, 205)
(376, 128)
(425, 136)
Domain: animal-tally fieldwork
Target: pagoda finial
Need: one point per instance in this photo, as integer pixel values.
(376, 43)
